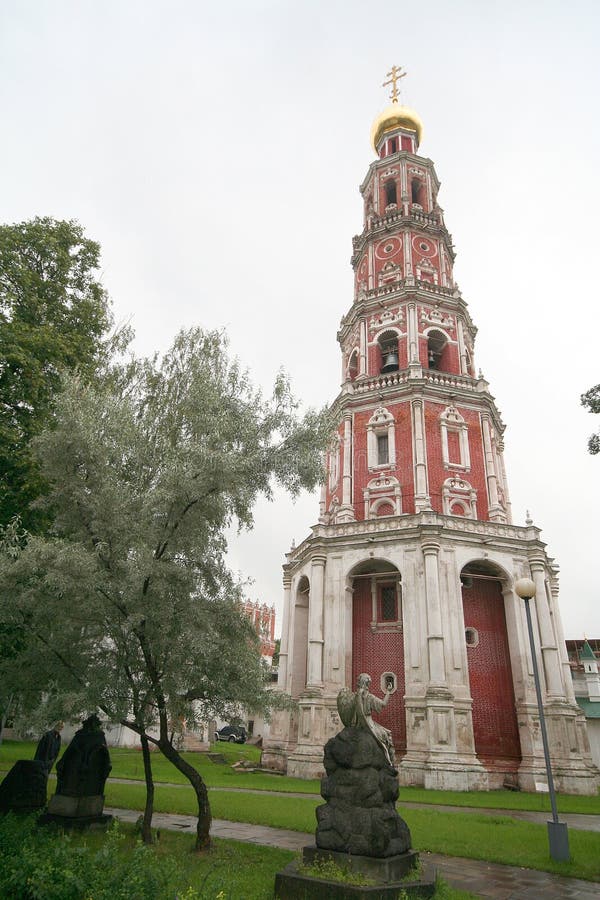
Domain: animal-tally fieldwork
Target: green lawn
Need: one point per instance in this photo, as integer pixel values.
(52, 865)
(128, 764)
(493, 838)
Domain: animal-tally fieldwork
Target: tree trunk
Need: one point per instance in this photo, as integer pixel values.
(204, 813)
(149, 808)
(4, 715)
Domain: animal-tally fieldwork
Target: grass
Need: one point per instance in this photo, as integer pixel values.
(232, 870)
(567, 803)
(493, 838)
(127, 763)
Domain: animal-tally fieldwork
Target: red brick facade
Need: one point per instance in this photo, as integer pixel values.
(494, 715)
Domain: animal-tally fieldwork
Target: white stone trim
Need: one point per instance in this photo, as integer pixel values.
(382, 489)
(452, 421)
(381, 422)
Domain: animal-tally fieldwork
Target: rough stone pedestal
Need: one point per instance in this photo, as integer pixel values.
(292, 884)
(76, 812)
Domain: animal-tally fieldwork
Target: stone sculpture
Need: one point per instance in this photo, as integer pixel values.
(49, 746)
(81, 772)
(358, 828)
(361, 785)
(24, 788)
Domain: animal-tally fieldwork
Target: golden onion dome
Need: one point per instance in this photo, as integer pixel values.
(395, 116)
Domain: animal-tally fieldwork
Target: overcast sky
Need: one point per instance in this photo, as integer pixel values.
(215, 152)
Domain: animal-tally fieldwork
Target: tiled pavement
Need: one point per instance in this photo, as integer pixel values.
(480, 878)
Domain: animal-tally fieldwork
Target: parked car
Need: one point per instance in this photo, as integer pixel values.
(234, 734)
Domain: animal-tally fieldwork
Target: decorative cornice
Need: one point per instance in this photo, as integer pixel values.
(419, 526)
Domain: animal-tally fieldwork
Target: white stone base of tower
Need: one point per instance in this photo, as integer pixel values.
(447, 745)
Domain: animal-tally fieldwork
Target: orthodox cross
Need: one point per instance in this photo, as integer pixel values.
(395, 74)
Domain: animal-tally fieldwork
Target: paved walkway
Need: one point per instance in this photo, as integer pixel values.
(578, 821)
(480, 878)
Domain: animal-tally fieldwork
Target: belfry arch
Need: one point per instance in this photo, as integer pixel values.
(378, 638)
(484, 585)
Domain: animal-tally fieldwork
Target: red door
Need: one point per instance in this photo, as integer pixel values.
(494, 713)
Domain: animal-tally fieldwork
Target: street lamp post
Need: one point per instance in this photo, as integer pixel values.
(558, 835)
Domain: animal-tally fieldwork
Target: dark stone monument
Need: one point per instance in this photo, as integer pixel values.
(81, 772)
(24, 788)
(49, 746)
(358, 828)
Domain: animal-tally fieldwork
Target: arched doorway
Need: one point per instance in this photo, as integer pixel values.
(495, 727)
(378, 639)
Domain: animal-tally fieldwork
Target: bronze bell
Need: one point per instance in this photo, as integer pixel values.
(390, 360)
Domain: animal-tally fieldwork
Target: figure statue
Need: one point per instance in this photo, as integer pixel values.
(355, 710)
(83, 768)
(49, 746)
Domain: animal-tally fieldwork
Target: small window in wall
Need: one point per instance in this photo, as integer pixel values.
(416, 191)
(388, 603)
(471, 637)
(390, 193)
(394, 145)
(383, 449)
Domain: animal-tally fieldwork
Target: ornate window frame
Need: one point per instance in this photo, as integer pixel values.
(381, 422)
(458, 491)
(379, 581)
(334, 462)
(452, 421)
(380, 490)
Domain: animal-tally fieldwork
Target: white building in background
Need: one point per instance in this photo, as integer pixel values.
(584, 656)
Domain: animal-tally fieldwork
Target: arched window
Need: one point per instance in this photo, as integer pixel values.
(381, 440)
(388, 346)
(352, 370)
(390, 193)
(416, 191)
(436, 342)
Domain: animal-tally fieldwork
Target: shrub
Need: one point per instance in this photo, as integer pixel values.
(43, 864)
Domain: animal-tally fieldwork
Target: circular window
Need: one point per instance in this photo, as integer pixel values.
(471, 637)
(424, 246)
(388, 248)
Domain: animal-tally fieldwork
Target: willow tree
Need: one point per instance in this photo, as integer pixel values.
(128, 603)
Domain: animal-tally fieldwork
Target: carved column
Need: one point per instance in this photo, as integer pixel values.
(346, 511)
(283, 652)
(315, 623)
(495, 511)
(435, 637)
(413, 336)
(547, 637)
(362, 370)
(560, 637)
(461, 347)
(422, 500)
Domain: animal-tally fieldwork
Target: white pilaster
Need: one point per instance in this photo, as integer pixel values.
(549, 649)
(314, 676)
(285, 637)
(422, 500)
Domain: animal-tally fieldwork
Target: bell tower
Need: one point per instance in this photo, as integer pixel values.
(409, 573)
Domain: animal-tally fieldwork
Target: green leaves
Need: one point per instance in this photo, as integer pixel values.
(128, 600)
(591, 401)
(53, 316)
